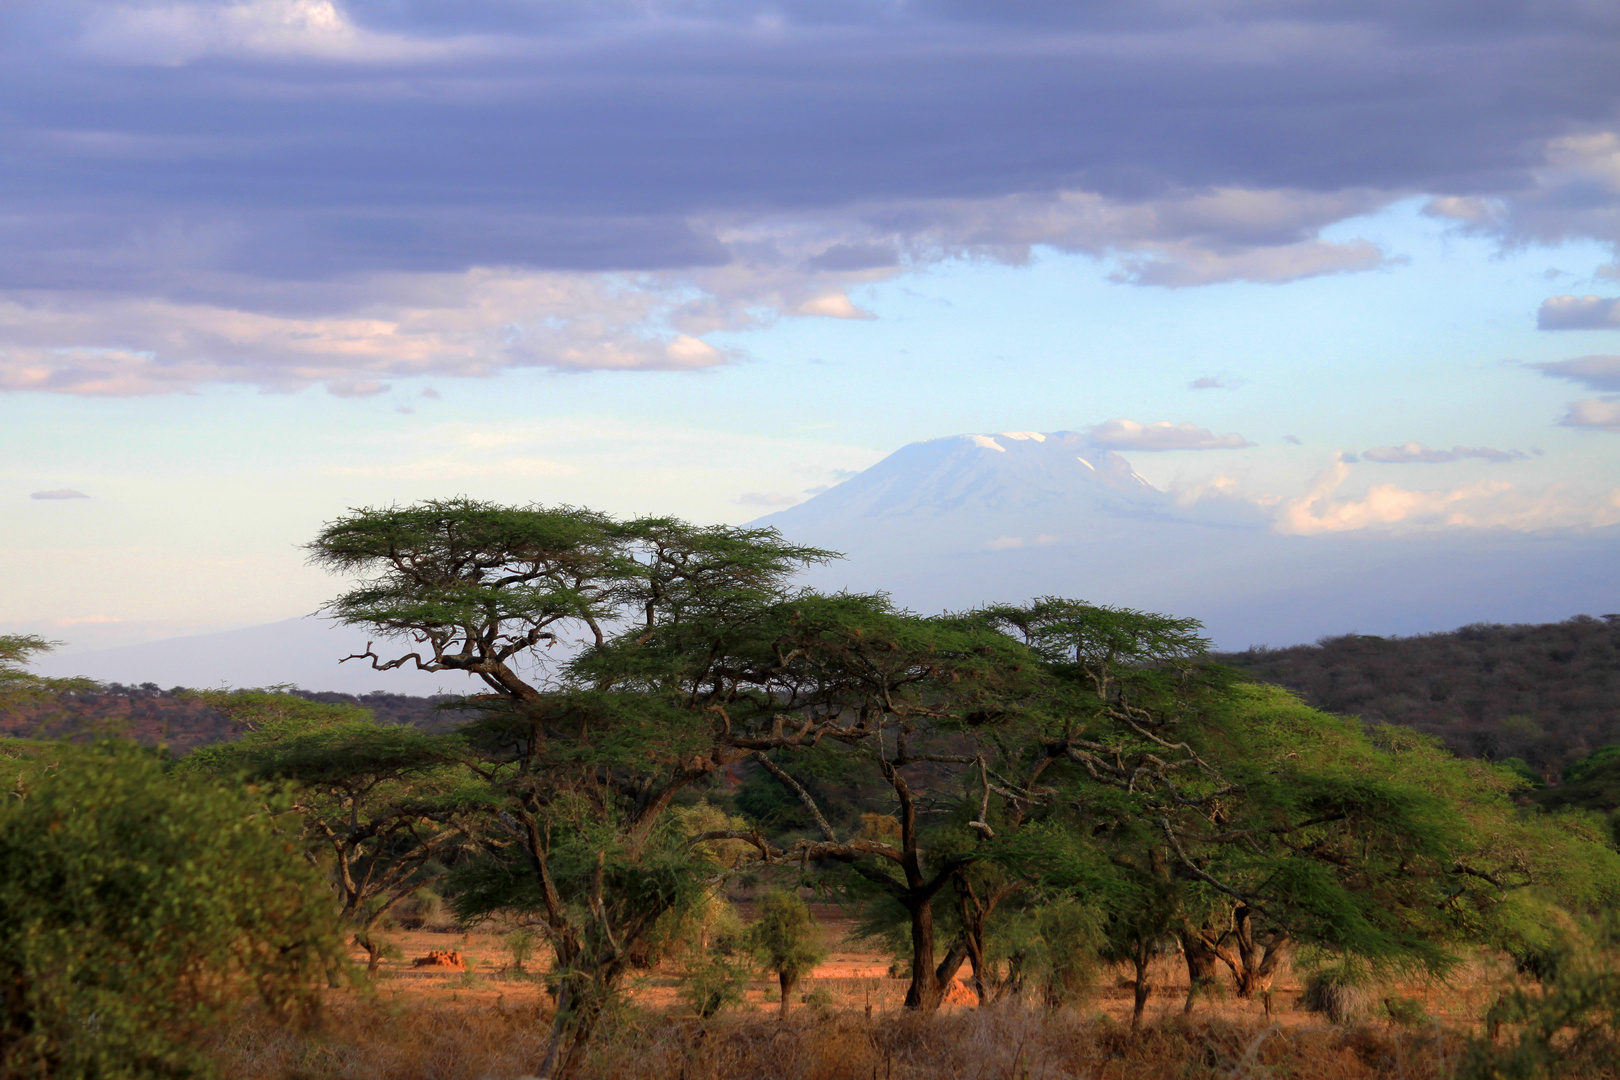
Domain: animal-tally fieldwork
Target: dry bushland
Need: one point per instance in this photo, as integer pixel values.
(461, 1041)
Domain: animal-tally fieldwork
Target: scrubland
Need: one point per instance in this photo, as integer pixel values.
(849, 1024)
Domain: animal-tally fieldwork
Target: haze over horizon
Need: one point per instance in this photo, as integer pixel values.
(1342, 281)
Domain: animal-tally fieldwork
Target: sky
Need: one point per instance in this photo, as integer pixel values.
(1355, 264)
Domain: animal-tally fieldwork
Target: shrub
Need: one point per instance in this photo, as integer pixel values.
(1337, 993)
(1406, 1012)
(784, 941)
(136, 909)
(713, 982)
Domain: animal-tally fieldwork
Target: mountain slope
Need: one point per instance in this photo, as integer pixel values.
(972, 519)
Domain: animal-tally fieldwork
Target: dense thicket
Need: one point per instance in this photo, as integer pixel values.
(1546, 694)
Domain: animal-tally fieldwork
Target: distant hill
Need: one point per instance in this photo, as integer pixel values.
(154, 716)
(1546, 694)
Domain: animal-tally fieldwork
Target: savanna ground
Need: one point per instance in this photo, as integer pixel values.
(491, 1022)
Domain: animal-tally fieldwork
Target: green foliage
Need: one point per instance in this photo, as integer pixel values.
(1589, 783)
(18, 685)
(713, 981)
(1570, 1024)
(1406, 1012)
(383, 806)
(784, 937)
(137, 907)
(520, 945)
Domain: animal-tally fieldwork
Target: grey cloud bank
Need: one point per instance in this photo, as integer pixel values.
(59, 493)
(287, 192)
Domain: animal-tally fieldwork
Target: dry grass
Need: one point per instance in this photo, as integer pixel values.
(490, 1023)
(464, 1041)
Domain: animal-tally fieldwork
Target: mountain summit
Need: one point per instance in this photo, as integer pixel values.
(955, 522)
(978, 490)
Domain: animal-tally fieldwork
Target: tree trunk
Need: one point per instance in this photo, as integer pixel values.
(1201, 969)
(1256, 965)
(924, 992)
(786, 981)
(1139, 961)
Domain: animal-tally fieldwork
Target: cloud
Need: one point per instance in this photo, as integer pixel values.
(1130, 435)
(293, 192)
(174, 34)
(1491, 505)
(59, 493)
(1597, 372)
(1600, 413)
(352, 388)
(1292, 440)
(1413, 453)
(1207, 382)
(1579, 313)
(774, 500)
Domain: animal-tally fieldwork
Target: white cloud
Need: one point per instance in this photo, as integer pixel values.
(352, 388)
(1182, 265)
(833, 306)
(1600, 413)
(1121, 434)
(59, 493)
(1414, 453)
(1490, 505)
(463, 324)
(175, 34)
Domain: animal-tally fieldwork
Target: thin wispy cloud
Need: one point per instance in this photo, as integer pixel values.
(1414, 453)
(1123, 434)
(1594, 372)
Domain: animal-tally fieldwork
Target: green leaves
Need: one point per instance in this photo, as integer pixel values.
(17, 683)
(134, 903)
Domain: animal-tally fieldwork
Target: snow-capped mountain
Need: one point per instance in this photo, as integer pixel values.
(970, 519)
(1003, 490)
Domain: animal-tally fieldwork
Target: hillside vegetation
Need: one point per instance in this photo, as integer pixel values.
(1545, 694)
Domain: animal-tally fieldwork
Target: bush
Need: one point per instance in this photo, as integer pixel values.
(1337, 993)
(136, 909)
(714, 982)
(1407, 1012)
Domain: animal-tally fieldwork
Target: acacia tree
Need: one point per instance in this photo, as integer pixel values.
(909, 698)
(20, 686)
(384, 806)
(591, 740)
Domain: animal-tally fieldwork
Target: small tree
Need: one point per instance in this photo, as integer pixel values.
(384, 806)
(784, 939)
